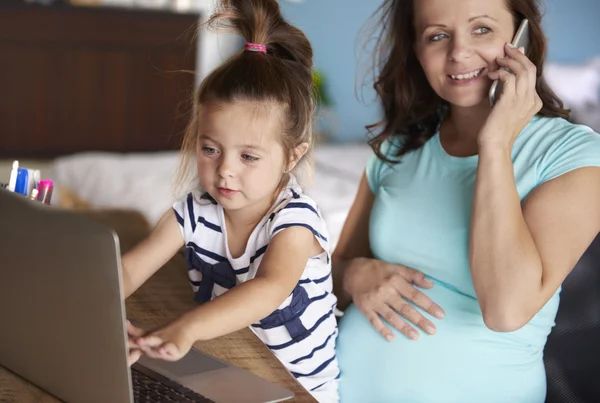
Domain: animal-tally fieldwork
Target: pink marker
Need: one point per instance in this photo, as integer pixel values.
(45, 191)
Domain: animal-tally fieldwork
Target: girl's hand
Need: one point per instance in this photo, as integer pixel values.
(169, 343)
(380, 290)
(518, 103)
(133, 333)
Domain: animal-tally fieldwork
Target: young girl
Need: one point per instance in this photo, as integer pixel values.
(256, 246)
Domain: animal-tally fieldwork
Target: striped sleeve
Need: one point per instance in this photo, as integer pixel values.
(301, 212)
(191, 215)
(185, 214)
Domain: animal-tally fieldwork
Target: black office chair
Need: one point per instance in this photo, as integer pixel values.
(572, 353)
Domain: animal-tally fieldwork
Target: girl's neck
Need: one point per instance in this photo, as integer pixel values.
(241, 223)
(247, 218)
(460, 129)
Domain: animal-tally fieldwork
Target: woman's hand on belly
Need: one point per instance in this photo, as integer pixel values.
(381, 290)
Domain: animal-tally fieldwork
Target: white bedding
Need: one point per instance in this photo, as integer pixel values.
(143, 181)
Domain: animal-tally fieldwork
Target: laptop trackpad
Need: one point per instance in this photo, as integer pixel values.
(193, 363)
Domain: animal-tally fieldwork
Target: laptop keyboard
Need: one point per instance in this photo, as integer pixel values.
(150, 387)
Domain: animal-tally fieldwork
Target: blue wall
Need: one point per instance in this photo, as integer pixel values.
(572, 26)
(332, 27)
(573, 30)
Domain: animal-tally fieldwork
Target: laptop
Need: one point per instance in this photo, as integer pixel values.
(63, 319)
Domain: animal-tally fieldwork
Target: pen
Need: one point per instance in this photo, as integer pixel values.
(34, 194)
(13, 176)
(36, 177)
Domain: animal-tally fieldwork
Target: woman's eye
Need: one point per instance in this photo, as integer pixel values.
(209, 150)
(482, 31)
(437, 38)
(249, 158)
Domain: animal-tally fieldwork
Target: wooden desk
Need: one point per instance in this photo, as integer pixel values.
(164, 297)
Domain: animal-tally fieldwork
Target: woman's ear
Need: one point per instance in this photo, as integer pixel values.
(296, 156)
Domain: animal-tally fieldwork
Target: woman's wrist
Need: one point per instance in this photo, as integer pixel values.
(342, 281)
(495, 150)
(348, 275)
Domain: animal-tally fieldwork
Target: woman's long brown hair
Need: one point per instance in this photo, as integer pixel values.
(410, 106)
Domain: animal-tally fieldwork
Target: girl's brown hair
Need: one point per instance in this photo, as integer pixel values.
(280, 78)
(411, 107)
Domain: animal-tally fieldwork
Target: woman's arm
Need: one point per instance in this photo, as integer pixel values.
(353, 242)
(151, 254)
(380, 290)
(520, 255)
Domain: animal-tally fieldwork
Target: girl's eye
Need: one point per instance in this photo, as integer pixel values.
(437, 38)
(249, 158)
(209, 150)
(482, 31)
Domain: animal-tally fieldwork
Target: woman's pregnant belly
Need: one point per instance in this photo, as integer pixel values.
(463, 362)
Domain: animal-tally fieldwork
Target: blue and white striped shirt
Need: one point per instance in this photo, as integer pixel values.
(303, 330)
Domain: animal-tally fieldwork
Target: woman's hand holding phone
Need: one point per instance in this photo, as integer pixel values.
(521, 39)
(518, 103)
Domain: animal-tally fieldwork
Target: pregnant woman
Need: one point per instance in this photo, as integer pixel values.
(479, 211)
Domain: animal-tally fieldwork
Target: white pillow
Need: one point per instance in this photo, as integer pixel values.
(139, 181)
(576, 85)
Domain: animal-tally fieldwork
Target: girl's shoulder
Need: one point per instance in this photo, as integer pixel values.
(293, 201)
(196, 209)
(296, 208)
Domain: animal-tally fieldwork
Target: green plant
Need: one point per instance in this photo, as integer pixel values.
(320, 88)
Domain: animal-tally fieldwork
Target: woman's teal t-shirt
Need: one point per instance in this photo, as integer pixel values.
(421, 219)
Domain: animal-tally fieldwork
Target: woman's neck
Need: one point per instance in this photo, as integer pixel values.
(460, 129)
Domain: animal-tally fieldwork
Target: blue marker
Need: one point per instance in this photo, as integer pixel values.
(25, 182)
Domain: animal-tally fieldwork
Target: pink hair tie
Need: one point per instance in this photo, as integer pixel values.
(255, 47)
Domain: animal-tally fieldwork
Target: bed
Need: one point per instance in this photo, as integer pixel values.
(143, 181)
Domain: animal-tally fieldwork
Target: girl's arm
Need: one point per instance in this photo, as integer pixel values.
(151, 254)
(278, 274)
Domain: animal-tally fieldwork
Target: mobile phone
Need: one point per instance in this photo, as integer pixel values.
(521, 40)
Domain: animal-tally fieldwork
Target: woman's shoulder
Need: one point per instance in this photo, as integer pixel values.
(391, 146)
(558, 146)
(377, 167)
(548, 130)
(545, 136)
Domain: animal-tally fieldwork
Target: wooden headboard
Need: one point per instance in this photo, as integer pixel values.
(93, 78)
